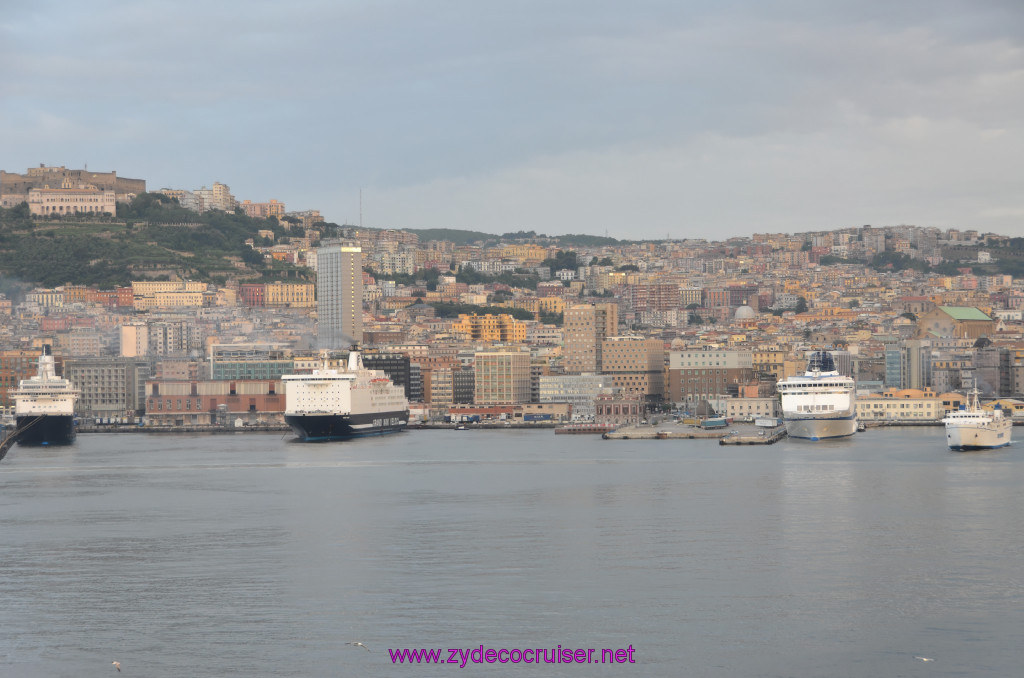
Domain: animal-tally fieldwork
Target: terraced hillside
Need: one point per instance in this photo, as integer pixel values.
(151, 238)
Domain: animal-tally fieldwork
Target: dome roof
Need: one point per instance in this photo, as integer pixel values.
(745, 313)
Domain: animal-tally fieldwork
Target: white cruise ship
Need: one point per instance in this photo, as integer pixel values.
(821, 403)
(341, 404)
(44, 406)
(973, 428)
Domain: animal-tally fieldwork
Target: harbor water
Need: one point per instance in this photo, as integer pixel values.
(255, 555)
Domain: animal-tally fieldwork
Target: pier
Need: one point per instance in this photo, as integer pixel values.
(12, 436)
(664, 432)
(766, 437)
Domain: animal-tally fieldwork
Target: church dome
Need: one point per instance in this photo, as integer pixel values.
(745, 313)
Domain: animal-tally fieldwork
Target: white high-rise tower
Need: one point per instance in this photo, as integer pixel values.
(339, 294)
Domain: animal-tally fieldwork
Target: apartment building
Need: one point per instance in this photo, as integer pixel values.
(502, 378)
(635, 364)
(490, 328)
(584, 329)
(577, 390)
(110, 387)
(705, 374)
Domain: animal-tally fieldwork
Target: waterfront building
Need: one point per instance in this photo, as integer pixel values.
(339, 294)
(415, 383)
(109, 387)
(249, 361)
(502, 378)
(577, 390)
(635, 364)
(438, 384)
(693, 376)
(214, 402)
(901, 405)
(543, 412)
(619, 409)
(464, 386)
(750, 408)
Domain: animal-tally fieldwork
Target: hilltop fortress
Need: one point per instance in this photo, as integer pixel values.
(59, 190)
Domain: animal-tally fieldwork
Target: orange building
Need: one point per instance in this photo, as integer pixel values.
(491, 328)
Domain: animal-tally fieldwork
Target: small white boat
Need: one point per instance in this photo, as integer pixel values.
(974, 428)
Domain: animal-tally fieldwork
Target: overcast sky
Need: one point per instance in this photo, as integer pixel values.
(638, 119)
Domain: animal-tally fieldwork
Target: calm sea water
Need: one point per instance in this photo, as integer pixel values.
(255, 555)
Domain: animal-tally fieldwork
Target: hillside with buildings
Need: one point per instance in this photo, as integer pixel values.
(186, 308)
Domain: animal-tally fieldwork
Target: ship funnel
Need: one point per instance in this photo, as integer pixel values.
(355, 361)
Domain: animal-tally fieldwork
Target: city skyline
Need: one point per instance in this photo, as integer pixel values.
(661, 119)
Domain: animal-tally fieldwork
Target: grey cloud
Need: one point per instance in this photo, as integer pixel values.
(310, 100)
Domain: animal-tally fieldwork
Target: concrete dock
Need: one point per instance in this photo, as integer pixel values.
(666, 431)
(770, 436)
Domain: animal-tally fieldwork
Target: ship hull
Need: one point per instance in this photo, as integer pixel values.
(821, 429)
(322, 427)
(966, 438)
(46, 429)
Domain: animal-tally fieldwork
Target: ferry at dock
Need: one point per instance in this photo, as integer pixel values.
(44, 406)
(821, 403)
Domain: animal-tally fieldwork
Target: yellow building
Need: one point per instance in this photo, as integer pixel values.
(46, 298)
(162, 293)
(909, 404)
(1010, 406)
(770, 361)
(492, 328)
(523, 253)
(293, 295)
(176, 300)
(262, 210)
(551, 305)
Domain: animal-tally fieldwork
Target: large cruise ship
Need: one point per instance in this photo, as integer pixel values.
(974, 428)
(44, 406)
(341, 404)
(821, 403)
